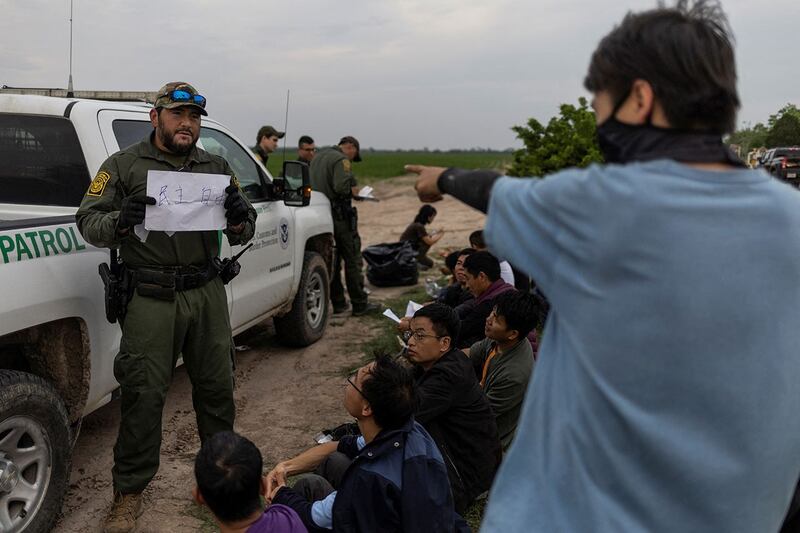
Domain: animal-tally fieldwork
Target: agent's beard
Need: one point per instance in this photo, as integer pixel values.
(167, 139)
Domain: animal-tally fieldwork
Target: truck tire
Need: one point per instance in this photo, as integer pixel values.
(34, 453)
(306, 322)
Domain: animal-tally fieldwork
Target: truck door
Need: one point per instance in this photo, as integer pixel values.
(265, 281)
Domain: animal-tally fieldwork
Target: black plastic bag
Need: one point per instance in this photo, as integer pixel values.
(391, 264)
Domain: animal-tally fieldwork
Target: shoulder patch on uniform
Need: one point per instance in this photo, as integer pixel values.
(98, 184)
(235, 181)
(346, 165)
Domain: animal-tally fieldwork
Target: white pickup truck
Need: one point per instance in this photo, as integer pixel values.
(56, 347)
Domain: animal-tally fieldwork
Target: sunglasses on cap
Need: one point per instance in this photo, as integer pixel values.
(179, 95)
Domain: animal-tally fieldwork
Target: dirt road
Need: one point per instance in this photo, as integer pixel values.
(283, 396)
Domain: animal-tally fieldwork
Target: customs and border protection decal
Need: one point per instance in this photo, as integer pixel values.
(98, 184)
(283, 233)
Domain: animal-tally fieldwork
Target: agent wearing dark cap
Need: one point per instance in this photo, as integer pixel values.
(177, 304)
(332, 175)
(267, 142)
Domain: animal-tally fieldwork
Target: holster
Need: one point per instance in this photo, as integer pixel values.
(116, 287)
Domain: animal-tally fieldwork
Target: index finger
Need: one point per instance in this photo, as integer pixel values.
(416, 169)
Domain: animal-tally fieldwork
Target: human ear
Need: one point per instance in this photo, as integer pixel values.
(198, 498)
(154, 117)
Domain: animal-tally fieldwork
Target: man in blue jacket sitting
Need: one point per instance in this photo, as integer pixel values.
(397, 480)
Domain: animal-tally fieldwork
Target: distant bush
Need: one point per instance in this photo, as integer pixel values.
(568, 140)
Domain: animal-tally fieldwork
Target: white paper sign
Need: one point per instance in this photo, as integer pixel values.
(390, 314)
(185, 201)
(366, 192)
(412, 308)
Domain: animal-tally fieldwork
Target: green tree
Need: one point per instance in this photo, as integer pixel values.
(568, 140)
(785, 131)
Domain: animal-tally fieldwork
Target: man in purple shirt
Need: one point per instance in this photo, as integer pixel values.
(229, 482)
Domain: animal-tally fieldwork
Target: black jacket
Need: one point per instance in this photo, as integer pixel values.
(455, 411)
(396, 483)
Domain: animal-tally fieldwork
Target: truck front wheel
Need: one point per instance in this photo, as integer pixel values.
(34, 453)
(306, 322)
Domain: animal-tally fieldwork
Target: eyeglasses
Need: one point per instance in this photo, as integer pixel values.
(350, 381)
(420, 336)
(307, 149)
(179, 95)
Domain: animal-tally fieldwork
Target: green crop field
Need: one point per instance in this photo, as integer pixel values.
(378, 164)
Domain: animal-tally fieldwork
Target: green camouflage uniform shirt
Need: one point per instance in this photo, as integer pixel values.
(125, 174)
(332, 175)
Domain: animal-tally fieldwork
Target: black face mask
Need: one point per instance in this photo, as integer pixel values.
(625, 143)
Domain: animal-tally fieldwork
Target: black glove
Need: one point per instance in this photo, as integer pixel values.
(235, 206)
(132, 211)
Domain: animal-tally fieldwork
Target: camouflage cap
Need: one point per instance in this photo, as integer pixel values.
(164, 98)
(349, 139)
(268, 131)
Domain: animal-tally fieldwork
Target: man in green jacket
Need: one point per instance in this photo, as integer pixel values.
(177, 301)
(332, 175)
(503, 361)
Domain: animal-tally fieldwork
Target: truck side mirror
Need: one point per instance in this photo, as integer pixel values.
(297, 187)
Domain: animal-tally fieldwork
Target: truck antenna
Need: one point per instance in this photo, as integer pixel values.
(285, 125)
(70, 93)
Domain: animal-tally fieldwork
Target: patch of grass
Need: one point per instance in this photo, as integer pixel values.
(474, 514)
(380, 164)
(209, 525)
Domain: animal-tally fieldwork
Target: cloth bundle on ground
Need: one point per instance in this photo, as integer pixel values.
(391, 264)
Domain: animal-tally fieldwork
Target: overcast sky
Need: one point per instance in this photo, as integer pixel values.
(394, 73)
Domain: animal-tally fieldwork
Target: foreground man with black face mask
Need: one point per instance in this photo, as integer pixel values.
(665, 396)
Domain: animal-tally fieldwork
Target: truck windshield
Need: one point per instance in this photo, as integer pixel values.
(42, 161)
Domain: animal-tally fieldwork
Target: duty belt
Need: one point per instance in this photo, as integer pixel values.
(177, 278)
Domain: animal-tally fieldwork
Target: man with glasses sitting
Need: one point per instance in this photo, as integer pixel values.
(397, 480)
(451, 404)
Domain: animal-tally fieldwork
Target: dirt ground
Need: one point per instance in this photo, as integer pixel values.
(283, 396)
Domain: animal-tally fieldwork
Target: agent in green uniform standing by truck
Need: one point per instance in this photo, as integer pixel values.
(332, 175)
(177, 301)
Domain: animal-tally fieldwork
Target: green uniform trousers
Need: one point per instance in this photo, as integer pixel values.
(154, 333)
(348, 249)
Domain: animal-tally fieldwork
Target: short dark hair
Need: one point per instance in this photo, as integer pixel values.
(685, 52)
(425, 213)
(305, 139)
(483, 262)
(444, 319)
(228, 471)
(466, 251)
(476, 239)
(520, 311)
(451, 260)
(390, 392)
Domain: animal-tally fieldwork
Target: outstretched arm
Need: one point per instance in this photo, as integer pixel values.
(473, 187)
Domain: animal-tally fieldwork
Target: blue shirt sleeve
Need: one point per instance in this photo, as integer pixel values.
(322, 511)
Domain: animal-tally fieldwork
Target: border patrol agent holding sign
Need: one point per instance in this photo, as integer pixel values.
(177, 302)
(332, 175)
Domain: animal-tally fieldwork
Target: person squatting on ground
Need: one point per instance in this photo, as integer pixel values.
(419, 237)
(482, 278)
(476, 242)
(665, 395)
(451, 404)
(177, 304)
(228, 472)
(393, 477)
(332, 175)
(503, 361)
